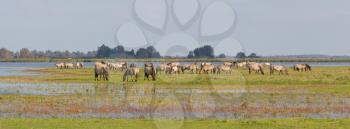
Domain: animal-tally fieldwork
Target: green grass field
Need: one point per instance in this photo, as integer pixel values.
(321, 79)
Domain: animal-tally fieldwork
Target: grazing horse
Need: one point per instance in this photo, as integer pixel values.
(172, 64)
(149, 70)
(173, 67)
(281, 69)
(258, 68)
(101, 70)
(185, 67)
(175, 70)
(133, 72)
(161, 67)
(207, 67)
(230, 64)
(241, 65)
(69, 65)
(59, 65)
(302, 67)
(79, 65)
(266, 64)
(181, 69)
(193, 68)
(221, 68)
(118, 66)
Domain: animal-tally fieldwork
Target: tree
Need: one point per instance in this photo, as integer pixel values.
(222, 56)
(25, 53)
(149, 52)
(153, 53)
(103, 51)
(190, 54)
(4, 53)
(204, 52)
(142, 53)
(241, 55)
(253, 55)
(130, 54)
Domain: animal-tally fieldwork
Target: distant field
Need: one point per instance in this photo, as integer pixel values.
(179, 59)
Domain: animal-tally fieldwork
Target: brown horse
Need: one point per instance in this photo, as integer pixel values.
(101, 70)
(207, 68)
(258, 68)
(230, 64)
(133, 72)
(222, 68)
(149, 70)
(193, 68)
(279, 68)
(241, 65)
(302, 67)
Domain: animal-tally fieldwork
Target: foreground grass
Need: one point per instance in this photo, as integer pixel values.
(187, 124)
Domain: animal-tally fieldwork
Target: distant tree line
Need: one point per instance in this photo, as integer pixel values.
(202, 52)
(243, 55)
(105, 51)
(208, 52)
(26, 53)
(120, 52)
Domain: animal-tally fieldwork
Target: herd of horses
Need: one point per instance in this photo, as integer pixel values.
(65, 65)
(132, 72)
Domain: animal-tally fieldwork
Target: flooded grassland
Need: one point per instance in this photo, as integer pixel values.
(50, 93)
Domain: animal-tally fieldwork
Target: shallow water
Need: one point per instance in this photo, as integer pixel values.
(44, 88)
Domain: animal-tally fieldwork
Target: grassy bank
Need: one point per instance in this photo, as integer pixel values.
(179, 60)
(187, 124)
(321, 79)
(319, 76)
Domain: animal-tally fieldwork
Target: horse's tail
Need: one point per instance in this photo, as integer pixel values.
(136, 76)
(125, 75)
(154, 74)
(308, 67)
(262, 70)
(271, 69)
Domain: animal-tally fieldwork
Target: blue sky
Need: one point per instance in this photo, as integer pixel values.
(267, 27)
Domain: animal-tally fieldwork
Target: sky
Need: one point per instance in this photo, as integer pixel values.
(266, 27)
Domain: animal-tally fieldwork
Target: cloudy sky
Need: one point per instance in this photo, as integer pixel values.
(267, 27)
